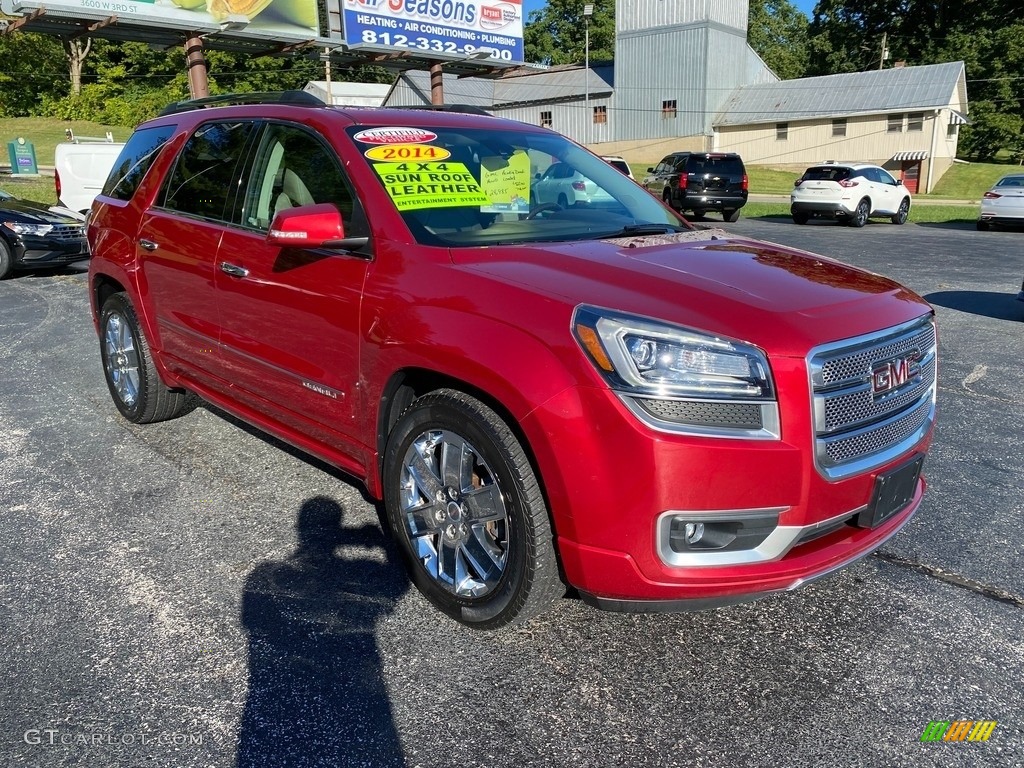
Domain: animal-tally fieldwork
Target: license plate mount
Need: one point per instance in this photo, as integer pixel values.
(893, 491)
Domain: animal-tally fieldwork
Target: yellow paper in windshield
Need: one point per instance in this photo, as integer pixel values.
(414, 186)
(506, 182)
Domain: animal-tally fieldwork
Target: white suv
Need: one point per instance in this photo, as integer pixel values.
(849, 192)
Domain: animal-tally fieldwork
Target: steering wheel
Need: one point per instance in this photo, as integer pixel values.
(542, 208)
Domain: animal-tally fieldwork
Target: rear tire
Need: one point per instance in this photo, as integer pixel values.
(860, 215)
(801, 217)
(982, 226)
(731, 216)
(467, 510)
(6, 260)
(128, 367)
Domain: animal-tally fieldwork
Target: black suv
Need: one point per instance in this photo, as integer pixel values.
(700, 182)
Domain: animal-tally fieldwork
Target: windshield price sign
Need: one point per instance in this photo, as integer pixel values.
(453, 27)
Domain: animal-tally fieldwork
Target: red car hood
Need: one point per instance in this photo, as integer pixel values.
(783, 300)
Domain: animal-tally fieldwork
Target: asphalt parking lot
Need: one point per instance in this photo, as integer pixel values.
(181, 594)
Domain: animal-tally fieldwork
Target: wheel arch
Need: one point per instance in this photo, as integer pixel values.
(406, 385)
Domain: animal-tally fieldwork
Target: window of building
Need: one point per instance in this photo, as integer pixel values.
(668, 109)
(839, 126)
(915, 121)
(895, 124)
(545, 120)
(600, 114)
(951, 131)
(781, 131)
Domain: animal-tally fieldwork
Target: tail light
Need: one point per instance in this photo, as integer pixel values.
(746, 183)
(798, 182)
(847, 183)
(682, 180)
(991, 195)
(579, 186)
(56, 184)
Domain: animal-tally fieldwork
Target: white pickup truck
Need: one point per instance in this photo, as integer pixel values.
(81, 165)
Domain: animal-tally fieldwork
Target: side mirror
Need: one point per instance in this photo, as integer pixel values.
(899, 182)
(312, 226)
(650, 170)
(536, 177)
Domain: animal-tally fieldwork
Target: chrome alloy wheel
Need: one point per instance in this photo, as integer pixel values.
(121, 358)
(454, 513)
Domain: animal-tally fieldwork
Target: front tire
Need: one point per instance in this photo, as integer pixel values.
(468, 512)
(6, 260)
(902, 213)
(128, 367)
(860, 215)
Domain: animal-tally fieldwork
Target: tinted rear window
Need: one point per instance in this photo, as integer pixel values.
(133, 162)
(826, 173)
(720, 166)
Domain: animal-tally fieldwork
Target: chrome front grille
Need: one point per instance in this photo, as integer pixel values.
(67, 232)
(873, 396)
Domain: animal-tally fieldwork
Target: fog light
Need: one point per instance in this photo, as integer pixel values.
(693, 532)
(720, 532)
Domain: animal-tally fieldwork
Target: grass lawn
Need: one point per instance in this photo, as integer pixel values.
(921, 214)
(46, 133)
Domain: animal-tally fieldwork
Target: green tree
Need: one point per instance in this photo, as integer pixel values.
(557, 33)
(31, 69)
(777, 31)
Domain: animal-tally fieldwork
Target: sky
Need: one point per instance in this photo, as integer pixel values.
(807, 6)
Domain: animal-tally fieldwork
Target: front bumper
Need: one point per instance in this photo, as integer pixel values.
(40, 252)
(610, 493)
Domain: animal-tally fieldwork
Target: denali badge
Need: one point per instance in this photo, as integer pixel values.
(892, 374)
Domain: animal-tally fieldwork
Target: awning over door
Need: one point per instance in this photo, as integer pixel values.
(917, 154)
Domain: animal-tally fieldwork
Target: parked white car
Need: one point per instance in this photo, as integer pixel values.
(618, 163)
(562, 185)
(1004, 203)
(81, 165)
(850, 193)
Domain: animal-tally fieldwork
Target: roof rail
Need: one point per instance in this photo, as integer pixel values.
(467, 109)
(297, 98)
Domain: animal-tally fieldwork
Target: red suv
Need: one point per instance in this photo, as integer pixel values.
(592, 394)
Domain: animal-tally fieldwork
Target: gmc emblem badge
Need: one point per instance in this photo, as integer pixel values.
(892, 374)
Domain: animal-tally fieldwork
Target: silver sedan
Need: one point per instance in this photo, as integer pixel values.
(1004, 203)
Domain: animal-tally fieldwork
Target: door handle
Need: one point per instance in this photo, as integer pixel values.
(149, 245)
(233, 269)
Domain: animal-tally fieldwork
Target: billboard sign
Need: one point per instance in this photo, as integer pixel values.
(447, 28)
(275, 19)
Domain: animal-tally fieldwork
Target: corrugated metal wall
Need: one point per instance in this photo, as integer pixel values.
(632, 15)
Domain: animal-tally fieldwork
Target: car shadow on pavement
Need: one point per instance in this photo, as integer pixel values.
(317, 694)
(1000, 306)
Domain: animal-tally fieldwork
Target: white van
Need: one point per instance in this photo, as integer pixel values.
(81, 165)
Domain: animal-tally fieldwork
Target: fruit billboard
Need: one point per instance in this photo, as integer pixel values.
(285, 19)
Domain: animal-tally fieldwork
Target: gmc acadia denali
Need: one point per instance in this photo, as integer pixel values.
(593, 394)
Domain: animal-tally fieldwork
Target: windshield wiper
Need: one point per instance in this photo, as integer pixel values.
(643, 229)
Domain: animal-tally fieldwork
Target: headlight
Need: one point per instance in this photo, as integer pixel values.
(678, 379)
(39, 230)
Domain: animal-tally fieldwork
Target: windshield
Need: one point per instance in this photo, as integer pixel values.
(464, 187)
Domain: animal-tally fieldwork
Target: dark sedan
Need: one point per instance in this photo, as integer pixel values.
(33, 236)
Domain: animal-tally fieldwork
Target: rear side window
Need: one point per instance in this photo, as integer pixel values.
(206, 171)
(826, 173)
(135, 159)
